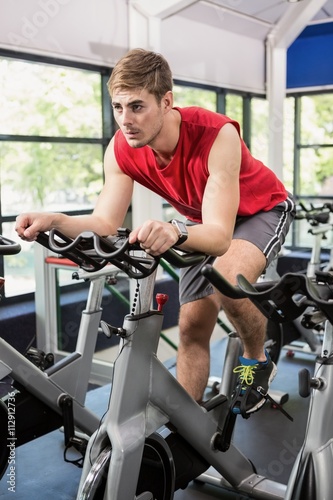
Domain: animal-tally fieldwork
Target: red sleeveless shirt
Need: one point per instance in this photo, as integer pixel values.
(182, 182)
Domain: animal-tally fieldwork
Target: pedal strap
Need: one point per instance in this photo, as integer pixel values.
(239, 400)
(240, 397)
(80, 447)
(275, 403)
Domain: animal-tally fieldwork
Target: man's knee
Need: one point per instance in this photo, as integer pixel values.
(242, 257)
(198, 317)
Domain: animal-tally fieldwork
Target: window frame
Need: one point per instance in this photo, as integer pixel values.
(298, 147)
(108, 129)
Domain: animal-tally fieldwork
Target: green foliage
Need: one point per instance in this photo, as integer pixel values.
(316, 171)
(49, 101)
(190, 96)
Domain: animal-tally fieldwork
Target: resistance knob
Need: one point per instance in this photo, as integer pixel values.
(161, 299)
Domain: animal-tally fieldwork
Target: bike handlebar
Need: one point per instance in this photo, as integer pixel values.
(92, 252)
(281, 301)
(8, 247)
(315, 214)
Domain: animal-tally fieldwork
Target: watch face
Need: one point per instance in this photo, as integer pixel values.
(182, 230)
(183, 227)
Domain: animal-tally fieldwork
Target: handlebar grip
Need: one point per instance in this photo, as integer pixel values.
(315, 215)
(221, 283)
(273, 299)
(183, 259)
(61, 246)
(67, 249)
(9, 247)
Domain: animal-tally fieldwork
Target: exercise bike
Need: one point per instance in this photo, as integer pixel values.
(154, 437)
(47, 395)
(297, 295)
(141, 321)
(319, 219)
(294, 334)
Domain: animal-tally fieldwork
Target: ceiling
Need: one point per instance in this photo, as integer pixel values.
(253, 18)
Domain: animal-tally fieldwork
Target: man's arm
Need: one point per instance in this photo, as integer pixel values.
(221, 197)
(108, 215)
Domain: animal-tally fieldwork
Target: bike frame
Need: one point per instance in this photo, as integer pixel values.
(144, 397)
(70, 375)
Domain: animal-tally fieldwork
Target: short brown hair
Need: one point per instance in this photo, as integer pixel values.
(142, 69)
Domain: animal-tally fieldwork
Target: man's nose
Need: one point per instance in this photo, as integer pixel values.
(127, 117)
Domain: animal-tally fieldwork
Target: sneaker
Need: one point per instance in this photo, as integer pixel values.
(254, 379)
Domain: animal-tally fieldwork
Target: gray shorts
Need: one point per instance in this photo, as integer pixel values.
(266, 230)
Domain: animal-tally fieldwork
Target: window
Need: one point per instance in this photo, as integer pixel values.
(259, 129)
(313, 152)
(191, 96)
(56, 122)
(234, 107)
(315, 173)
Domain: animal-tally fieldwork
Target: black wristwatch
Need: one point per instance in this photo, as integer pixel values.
(181, 230)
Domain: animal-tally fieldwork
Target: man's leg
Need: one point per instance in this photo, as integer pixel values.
(244, 258)
(196, 322)
(198, 319)
(267, 230)
(256, 370)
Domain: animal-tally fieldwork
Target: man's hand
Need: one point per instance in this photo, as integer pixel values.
(29, 225)
(155, 237)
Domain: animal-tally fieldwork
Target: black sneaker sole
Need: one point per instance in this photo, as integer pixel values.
(263, 400)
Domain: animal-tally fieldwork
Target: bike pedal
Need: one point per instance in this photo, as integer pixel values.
(210, 404)
(39, 358)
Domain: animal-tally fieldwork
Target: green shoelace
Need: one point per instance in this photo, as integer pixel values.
(246, 373)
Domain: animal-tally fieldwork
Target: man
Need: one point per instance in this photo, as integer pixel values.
(237, 212)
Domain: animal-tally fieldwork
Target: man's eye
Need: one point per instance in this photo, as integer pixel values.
(136, 107)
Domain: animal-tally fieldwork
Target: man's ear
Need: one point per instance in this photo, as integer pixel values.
(167, 100)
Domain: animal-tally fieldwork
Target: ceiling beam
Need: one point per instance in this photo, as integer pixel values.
(161, 9)
(295, 19)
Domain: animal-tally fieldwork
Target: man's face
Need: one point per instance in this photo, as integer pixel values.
(138, 115)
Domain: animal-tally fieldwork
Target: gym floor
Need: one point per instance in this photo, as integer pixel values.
(268, 438)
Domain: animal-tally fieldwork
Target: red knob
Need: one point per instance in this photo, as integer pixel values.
(161, 299)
